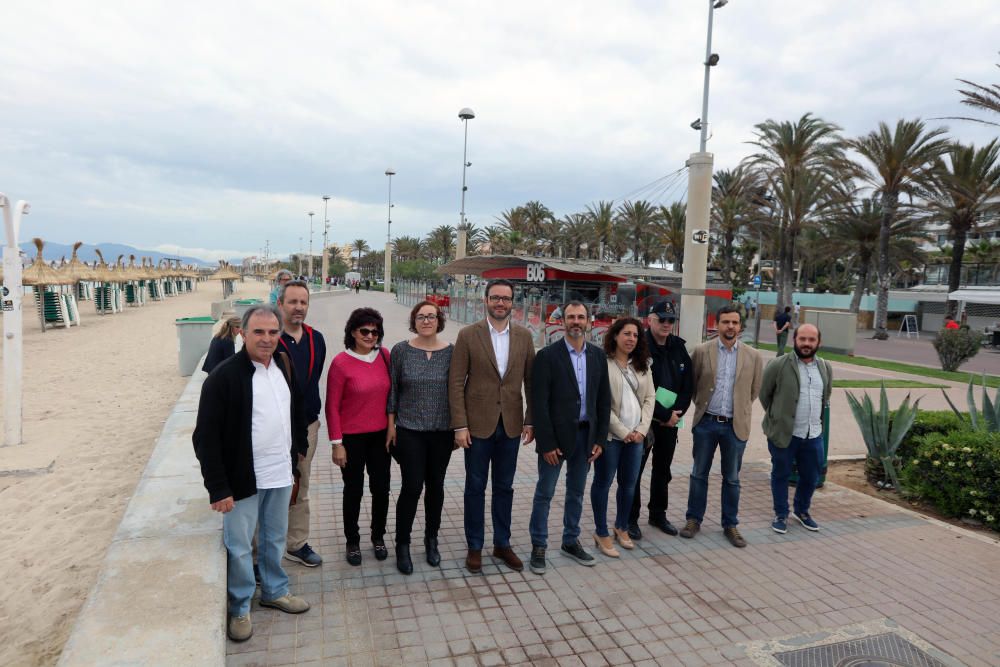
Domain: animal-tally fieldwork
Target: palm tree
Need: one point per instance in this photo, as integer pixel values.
(406, 248)
(639, 219)
(359, 246)
(673, 219)
(602, 217)
(899, 161)
(799, 164)
(967, 191)
(982, 97)
(536, 217)
(495, 236)
(440, 243)
(577, 231)
(733, 208)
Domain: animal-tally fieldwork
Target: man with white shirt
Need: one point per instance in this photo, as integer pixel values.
(489, 366)
(249, 437)
(794, 390)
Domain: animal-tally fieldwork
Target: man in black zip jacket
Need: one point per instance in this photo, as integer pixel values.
(249, 437)
(671, 368)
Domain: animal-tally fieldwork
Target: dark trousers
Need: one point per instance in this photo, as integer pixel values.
(664, 445)
(807, 455)
(499, 453)
(423, 458)
(365, 450)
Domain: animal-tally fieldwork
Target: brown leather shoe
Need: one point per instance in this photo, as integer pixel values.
(734, 537)
(690, 529)
(474, 561)
(510, 559)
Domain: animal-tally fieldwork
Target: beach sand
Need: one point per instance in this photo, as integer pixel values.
(95, 399)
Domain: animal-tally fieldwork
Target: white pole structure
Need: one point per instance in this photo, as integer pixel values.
(466, 115)
(325, 261)
(699, 205)
(311, 214)
(387, 282)
(13, 352)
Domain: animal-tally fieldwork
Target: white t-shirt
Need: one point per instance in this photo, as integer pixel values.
(630, 414)
(271, 427)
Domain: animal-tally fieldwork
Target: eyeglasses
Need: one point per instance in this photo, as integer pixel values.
(365, 332)
(426, 318)
(665, 318)
(493, 298)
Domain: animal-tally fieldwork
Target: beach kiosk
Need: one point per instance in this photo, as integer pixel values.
(542, 284)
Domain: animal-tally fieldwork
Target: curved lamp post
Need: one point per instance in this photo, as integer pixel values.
(13, 368)
(325, 261)
(387, 282)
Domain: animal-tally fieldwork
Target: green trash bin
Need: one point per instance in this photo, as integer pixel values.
(243, 305)
(794, 479)
(193, 337)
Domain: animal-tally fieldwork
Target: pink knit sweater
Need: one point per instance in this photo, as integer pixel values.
(356, 393)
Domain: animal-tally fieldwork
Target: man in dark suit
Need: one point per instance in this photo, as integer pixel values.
(571, 404)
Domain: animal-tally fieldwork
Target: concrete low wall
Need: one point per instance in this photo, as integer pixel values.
(160, 596)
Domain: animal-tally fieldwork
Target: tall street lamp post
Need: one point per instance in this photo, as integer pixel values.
(387, 282)
(465, 115)
(311, 214)
(698, 210)
(325, 261)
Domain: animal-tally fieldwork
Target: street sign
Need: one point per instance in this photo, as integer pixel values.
(535, 273)
(756, 280)
(699, 236)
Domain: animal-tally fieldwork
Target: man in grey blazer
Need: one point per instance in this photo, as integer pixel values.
(491, 363)
(727, 378)
(571, 398)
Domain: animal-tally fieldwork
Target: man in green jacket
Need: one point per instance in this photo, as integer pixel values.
(793, 392)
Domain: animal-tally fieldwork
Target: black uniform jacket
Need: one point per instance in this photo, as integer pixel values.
(221, 436)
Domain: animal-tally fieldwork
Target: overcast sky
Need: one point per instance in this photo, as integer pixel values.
(207, 128)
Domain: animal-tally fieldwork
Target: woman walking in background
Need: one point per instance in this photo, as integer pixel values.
(224, 341)
(632, 398)
(357, 388)
(419, 427)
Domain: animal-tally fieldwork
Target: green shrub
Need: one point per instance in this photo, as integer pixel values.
(959, 473)
(926, 421)
(956, 346)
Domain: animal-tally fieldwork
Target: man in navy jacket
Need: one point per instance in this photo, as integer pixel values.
(249, 437)
(571, 404)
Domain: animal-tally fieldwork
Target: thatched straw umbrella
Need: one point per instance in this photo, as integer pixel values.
(227, 276)
(40, 275)
(79, 273)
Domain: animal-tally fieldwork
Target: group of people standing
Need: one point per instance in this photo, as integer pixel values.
(489, 394)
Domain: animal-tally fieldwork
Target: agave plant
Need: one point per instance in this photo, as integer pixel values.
(991, 409)
(882, 435)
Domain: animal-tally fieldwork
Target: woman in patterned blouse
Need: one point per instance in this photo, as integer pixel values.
(419, 428)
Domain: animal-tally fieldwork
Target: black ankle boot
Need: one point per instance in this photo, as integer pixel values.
(433, 555)
(403, 562)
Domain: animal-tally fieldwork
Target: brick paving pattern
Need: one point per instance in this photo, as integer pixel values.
(669, 602)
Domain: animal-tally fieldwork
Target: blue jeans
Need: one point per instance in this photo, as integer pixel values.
(709, 434)
(501, 452)
(269, 509)
(807, 454)
(577, 468)
(619, 459)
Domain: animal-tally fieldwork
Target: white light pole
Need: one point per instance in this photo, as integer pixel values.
(325, 262)
(311, 214)
(698, 210)
(13, 353)
(387, 282)
(466, 115)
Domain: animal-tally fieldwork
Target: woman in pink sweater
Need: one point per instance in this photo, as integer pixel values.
(357, 389)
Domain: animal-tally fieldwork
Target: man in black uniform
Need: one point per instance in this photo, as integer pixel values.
(671, 368)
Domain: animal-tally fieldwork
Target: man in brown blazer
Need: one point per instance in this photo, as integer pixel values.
(727, 379)
(490, 364)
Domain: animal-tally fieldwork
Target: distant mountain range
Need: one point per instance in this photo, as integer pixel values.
(54, 251)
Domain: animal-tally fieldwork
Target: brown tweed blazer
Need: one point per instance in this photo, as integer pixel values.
(476, 393)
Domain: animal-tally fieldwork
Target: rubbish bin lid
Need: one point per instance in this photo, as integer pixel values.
(195, 320)
(247, 302)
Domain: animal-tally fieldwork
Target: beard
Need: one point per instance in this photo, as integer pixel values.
(574, 332)
(803, 354)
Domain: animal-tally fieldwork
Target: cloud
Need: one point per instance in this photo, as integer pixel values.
(220, 125)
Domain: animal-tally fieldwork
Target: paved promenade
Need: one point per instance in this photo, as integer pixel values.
(669, 602)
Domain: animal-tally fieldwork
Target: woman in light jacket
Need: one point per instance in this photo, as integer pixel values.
(632, 398)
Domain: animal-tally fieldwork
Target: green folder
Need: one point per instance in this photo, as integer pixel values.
(667, 398)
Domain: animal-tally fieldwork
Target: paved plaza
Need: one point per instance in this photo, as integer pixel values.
(669, 602)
